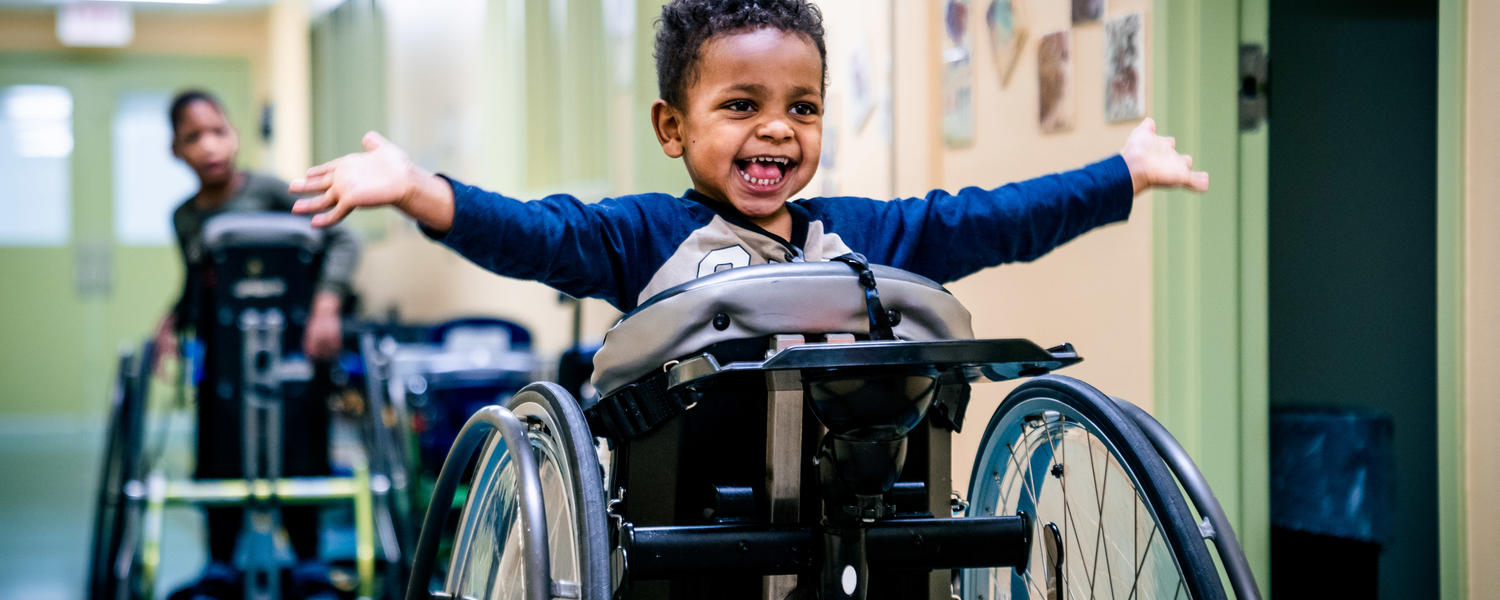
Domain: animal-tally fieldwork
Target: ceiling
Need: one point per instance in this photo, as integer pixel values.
(217, 6)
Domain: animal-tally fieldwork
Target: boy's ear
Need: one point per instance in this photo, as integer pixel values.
(668, 124)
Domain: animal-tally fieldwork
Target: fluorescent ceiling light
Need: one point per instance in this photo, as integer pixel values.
(169, 1)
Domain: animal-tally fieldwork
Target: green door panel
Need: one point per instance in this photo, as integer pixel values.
(59, 341)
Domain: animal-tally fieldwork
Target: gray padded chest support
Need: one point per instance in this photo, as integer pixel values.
(806, 298)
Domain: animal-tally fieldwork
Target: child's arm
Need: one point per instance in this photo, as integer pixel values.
(577, 248)
(1154, 162)
(946, 236)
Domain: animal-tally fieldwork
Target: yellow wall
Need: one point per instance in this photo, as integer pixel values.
(1482, 298)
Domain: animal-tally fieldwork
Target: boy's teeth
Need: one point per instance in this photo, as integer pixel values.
(763, 169)
(758, 180)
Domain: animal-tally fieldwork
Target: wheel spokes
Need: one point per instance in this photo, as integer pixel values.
(1033, 478)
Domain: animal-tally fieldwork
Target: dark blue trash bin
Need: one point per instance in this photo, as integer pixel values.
(1331, 501)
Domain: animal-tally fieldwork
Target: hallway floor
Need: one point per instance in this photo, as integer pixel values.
(51, 470)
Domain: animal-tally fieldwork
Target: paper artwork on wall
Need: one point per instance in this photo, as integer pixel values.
(1006, 20)
(1054, 78)
(861, 96)
(828, 160)
(1125, 68)
(958, 77)
(1087, 11)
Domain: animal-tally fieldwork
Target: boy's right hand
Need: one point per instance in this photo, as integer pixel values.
(381, 175)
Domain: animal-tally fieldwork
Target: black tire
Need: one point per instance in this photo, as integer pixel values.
(1018, 469)
(572, 482)
(117, 518)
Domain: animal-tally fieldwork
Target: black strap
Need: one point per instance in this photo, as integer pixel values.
(636, 408)
(880, 321)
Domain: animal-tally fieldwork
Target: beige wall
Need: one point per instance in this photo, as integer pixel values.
(858, 32)
(1094, 292)
(1482, 298)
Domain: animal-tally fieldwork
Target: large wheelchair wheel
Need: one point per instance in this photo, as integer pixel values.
(113, 568)
(1106, 515)
(491, 553)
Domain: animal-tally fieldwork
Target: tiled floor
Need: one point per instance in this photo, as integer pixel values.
(49, 471)
(48, 483)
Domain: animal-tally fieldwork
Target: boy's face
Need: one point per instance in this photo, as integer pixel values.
(206, 142)
(752, 128)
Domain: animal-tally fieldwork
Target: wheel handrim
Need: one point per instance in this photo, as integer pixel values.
(492, 557)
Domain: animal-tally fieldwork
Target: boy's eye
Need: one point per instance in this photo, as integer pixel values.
(740, 106)
(804, 109)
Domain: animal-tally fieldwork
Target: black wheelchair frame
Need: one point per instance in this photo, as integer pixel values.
(650, 522)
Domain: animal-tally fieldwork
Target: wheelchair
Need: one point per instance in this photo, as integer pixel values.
(264, 265)
(784, 431)
(423, 381)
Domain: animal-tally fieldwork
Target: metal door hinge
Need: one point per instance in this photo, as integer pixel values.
(1255, 86)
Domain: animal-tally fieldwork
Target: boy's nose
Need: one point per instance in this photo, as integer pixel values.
(775, 130)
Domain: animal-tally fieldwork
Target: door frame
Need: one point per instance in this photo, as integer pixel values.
(1209, 270)
(1453, 550)
(1209, 263)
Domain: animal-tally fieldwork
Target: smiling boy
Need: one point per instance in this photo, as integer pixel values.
(742, 93)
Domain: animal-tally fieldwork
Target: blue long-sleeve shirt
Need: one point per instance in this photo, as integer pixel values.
(625, 250)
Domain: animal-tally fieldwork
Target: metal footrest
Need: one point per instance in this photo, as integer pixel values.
(158, 492)
(289, 490)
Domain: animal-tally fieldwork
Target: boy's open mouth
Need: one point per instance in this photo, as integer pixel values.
(764, 171)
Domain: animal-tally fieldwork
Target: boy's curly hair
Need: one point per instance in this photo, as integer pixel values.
(686, 24)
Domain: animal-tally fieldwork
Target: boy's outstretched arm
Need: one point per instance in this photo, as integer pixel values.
(382, 175)
(1154, 162)
(575, 247)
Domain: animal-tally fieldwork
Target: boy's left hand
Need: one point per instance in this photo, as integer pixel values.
(1154, 162)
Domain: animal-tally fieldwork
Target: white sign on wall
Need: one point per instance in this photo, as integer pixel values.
(95, 24)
